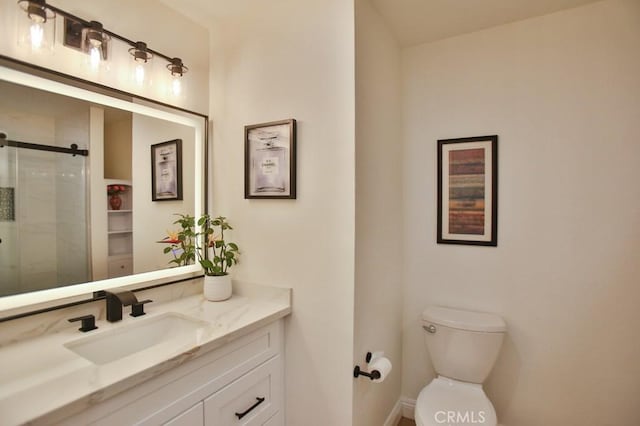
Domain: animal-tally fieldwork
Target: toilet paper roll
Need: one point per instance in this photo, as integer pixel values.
(383, 365)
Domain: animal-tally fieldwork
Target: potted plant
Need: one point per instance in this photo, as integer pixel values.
(181, 243)
(216, 256)
(207, 244)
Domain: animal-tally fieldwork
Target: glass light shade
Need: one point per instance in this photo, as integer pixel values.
(141, 65)
(176, 85)
(95, 44)
(177, 70)
(141, 73)
(36, 26)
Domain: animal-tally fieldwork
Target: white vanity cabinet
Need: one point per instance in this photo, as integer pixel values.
(193, 416)
(245, 375)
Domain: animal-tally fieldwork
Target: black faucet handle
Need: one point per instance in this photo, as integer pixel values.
(137, 309)
(88, 322)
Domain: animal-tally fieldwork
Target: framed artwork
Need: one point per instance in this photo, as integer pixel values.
(468, 191)
(166, 170)
(270, 160)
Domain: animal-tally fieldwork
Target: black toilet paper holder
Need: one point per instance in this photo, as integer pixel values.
(375, 374)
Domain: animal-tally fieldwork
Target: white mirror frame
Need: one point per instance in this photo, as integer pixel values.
(17, 305)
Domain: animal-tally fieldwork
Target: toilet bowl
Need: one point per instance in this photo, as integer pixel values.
(451, 402)
(463, 346)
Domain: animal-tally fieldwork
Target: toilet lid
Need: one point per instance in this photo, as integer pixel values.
(450, 402)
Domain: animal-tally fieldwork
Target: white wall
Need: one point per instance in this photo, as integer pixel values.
(145, 20)
(378, 286)
(152, 219)
(563, 93)
(292, 59)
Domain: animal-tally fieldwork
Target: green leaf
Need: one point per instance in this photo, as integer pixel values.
(233, 246)
(206, 264)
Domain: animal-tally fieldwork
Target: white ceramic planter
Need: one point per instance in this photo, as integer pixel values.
(217, 287)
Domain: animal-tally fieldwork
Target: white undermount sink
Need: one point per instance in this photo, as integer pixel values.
(136, 336)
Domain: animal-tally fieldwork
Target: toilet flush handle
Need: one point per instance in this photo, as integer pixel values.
(430, 328)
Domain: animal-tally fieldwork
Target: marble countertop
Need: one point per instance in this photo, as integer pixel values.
(40, 376)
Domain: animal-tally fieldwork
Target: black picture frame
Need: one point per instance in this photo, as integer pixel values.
(270, 160)
(166, 171)
(468, 191)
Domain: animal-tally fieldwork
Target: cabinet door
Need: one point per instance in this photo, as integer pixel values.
(194, 416)
(253, 399)
(276, 420)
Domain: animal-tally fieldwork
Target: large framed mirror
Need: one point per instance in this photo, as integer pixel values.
(66, 148)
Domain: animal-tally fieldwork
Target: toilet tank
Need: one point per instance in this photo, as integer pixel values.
(463, 345)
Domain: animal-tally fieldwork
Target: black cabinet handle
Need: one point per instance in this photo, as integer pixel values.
(241, 415)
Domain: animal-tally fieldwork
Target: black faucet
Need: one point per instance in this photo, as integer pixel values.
(115, 302)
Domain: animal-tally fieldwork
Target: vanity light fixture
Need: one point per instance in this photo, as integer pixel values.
(38, 30)
(92, 38)
(141, 57)
(177, 69)
(95, 42)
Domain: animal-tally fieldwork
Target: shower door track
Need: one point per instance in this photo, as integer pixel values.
(17, 144)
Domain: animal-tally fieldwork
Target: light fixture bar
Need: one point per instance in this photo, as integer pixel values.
(88, 24)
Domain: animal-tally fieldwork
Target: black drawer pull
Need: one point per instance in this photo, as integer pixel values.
(241, 415)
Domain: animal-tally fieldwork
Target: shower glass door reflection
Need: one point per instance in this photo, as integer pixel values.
(8, 229)
(43, 219)
(43, 193)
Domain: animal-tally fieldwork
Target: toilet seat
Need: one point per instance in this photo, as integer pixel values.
(448, 402)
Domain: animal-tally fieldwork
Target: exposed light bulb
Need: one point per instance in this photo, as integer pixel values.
(36, 33)
(139, 73)
(94, 58)
(176, 86)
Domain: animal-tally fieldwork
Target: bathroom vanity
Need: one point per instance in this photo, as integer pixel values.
(186, 362)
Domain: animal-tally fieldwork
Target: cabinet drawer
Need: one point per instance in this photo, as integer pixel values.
(120, 267)
(251, 400)
(192, 417)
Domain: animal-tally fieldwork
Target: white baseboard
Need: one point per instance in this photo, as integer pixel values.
(408, 407)
(403, 408)
(394, 416)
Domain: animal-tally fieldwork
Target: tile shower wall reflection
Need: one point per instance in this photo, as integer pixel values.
(47, 242)
(7, 204)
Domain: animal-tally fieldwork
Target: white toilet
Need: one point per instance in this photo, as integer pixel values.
(463, 346)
